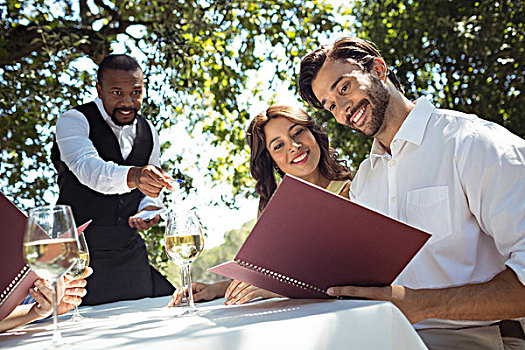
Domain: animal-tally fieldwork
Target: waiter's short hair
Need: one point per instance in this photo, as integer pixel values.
(118, 62)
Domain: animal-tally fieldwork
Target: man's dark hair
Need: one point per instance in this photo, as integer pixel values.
(118, 62)
(359, 51)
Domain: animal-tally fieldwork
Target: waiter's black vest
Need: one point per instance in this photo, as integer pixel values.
(121, 269)
(105, 210)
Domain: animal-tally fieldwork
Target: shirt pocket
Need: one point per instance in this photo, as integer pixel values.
(429, 209)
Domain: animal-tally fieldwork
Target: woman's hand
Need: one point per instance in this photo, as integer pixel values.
(69, 295)
(43, 296)
(75, 291)
(201, 292)
(240, 293)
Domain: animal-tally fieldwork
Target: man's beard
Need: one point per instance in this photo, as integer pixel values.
(378, 99)
(119, 123)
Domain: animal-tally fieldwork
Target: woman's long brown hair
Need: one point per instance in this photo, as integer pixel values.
(262, 166)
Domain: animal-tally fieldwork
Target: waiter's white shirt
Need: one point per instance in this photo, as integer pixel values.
(460, 178)
(81, 156)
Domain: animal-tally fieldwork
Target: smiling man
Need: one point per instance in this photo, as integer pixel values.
(456, 176)
(107, 159)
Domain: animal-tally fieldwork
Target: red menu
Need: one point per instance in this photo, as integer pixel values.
(308, 239)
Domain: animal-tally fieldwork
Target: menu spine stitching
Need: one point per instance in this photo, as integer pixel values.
(14, 283)
(281, 277)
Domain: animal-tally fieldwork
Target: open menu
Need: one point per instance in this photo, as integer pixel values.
(16, 278)
(308, 239)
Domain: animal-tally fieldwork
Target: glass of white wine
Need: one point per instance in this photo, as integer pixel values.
(184, 242)
(79, 269)
(50, 248)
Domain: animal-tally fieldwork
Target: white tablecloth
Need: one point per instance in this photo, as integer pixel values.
(270, 325)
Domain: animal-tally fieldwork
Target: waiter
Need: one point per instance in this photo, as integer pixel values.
(107, 159)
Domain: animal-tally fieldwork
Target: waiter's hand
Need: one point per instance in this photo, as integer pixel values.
(142, 225)
(149, 180)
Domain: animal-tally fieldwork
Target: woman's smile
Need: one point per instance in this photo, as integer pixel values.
(301, 158)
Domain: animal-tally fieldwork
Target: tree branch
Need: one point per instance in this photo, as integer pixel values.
(114, 13)
(22, 40)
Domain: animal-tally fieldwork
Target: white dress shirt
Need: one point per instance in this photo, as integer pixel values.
(460, 178)
(81, 156)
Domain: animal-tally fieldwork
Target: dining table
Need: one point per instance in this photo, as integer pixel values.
(270, 324)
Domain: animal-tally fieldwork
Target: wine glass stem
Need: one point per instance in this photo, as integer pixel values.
(183, 280)
(76, 314)
(57, 337)
(190, 289)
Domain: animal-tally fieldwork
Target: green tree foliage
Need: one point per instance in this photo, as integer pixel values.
(469, 55)
(198, 55)
(466, 55)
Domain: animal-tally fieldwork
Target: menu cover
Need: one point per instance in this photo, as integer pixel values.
(15, 275)
(308, 239)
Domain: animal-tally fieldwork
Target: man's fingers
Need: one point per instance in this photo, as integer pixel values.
(153, 221)
(142, 225)
(157, 178)
(240, 291)
(243, 295)
(375, 293)
(150, 180)
(232, 290)
(248, 297)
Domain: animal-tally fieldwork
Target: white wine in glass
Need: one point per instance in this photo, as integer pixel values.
(79, 269)
(51, 247)
(184, 242)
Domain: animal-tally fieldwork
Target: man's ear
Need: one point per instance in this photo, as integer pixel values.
(99, 90)
(379, 68)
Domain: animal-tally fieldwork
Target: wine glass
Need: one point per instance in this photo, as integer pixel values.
(79, 269)
(184, 242)
(50, 248)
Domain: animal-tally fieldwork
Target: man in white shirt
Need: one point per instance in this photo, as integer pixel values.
(107, 159)
(456, 176)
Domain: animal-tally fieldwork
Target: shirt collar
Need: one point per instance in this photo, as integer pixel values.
(101, 108)
(412, 130)
(107, 117)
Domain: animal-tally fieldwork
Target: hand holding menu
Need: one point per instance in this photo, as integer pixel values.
(308, 239)
(15, 276)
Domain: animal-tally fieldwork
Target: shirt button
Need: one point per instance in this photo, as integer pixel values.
(119, 219)
(392, 163)
(393, 199)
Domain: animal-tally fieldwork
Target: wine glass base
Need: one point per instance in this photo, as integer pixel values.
(192, 313)
(77, 318)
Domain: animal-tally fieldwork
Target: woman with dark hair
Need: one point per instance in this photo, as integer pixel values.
(283, 140)
(286, 139)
